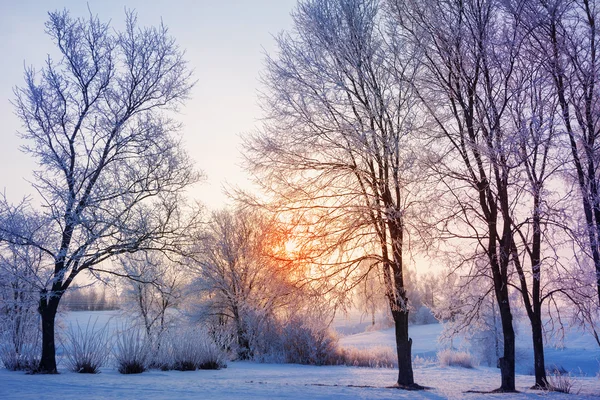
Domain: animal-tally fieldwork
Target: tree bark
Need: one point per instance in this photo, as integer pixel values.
(538, 354)
(47, 308)
(499, 273)
(507, 361)
(403, 347)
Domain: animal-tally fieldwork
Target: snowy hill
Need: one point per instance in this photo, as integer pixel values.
(580, 356)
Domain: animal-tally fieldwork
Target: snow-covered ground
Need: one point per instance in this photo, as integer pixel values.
(580, 356)
(247, 380)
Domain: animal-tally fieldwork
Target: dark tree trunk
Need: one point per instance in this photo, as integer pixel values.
(507, 362)
(47, 308)
(499, 256)
(403, 347)
(244, 352)
(538, 354)
(398, 302)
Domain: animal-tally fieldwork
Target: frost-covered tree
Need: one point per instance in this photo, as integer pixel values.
(21, 275)
(240, 275)
(152, 291)
(334, 155)
(567, 40)
(469, 51)
(500, 154)
(564, 40)
(111, 170)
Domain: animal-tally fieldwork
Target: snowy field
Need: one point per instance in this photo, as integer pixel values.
(247, 380)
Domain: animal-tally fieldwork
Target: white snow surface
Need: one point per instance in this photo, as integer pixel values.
(249, 380)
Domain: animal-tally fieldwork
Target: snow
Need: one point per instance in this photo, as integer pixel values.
(258, 381)
(425, 339)
(580, 356)
(250, 380)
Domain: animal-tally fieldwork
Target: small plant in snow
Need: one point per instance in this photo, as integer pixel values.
(20, 352)
(86, 349)
(132, 351)
(453, 358)
(372, 357)
(308, 342)
(559, 381)
(194, 349)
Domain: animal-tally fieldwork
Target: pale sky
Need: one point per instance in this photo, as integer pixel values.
(224, 42)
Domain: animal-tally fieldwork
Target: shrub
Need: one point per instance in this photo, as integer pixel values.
(86, 349)
(132, 351)
(452, 358)
(374, 357)
(214, 356)
(559, 380)
(309, 342)
(302, 338)
(20, 342)
(188, 350)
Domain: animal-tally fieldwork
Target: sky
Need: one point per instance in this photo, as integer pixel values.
(225, 42)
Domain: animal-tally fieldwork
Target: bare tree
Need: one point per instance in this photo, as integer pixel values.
(111, 170)
(240, 272)
(469, 51)
(334, 153)
(566, 39)
(153, 290)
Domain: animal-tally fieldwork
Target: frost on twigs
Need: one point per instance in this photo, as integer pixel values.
(132, 351)
(86, 349)
(193, 348)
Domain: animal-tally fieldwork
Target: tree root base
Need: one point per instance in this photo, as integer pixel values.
(412, 387)
(42, 372)
(499, 390)
(540, 387)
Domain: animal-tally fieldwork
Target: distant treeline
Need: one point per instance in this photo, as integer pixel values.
(89, 299)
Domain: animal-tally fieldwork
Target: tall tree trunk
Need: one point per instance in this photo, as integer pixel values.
(499, 269)
(536, 315)
(403, 348)
(538, 353)
(507, 362)
(47, 308)
(399, 306)
(244, 352)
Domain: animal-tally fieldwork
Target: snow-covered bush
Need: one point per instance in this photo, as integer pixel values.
(86, 349)
(385, 321)
(487, 343)
(132, 351)
(300, 338)
(20, 334)
(263, 332)
(214, 357)
(560, 381)
(453, 358)
(372, 357)
(193, 349)
(20, 343)
(188, 349)
(308, 342)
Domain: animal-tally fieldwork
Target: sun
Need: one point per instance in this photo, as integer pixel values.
(291, 247)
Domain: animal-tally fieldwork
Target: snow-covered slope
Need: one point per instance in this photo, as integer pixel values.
(580, 355)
